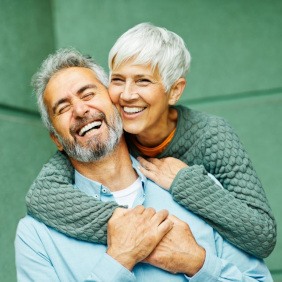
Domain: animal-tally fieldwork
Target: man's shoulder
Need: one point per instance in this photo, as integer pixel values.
(29, 225)
(30, 228)
(30, 235)
(29, 221)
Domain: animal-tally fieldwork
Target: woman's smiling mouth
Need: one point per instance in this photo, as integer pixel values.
(133, 110)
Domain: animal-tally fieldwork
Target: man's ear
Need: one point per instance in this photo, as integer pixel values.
(176, 91)
(56, 141)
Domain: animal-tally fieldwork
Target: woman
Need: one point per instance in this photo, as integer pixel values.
(148, 65)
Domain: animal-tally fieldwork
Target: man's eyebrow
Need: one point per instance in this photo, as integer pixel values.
(85, 87)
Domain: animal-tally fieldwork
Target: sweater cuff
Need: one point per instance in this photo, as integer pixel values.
(186, 172)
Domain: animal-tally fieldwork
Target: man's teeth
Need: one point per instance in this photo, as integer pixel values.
(133, 110)
(88, 127)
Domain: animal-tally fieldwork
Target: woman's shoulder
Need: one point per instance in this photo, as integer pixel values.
(191, 118)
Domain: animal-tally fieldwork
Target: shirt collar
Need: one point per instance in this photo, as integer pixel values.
(94, 188)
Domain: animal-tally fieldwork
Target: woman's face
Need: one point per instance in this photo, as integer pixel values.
(140, 96)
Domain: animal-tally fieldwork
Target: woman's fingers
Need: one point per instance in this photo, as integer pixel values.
(161, 171)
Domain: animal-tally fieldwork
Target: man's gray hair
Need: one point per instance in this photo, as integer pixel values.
(157, 46)
(61, 59)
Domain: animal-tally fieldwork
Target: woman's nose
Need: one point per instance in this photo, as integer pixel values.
(129, 92)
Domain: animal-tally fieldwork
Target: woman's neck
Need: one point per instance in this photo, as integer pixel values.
(155, 136)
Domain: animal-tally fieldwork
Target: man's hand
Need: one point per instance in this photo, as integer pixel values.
(133, 234)
(178, 251)
(161, 171)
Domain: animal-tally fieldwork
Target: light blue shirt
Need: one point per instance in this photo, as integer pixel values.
(43, 254)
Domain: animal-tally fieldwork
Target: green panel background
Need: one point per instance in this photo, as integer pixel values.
(236, 46)
(26, 36)
(236, 72)
(24, 146)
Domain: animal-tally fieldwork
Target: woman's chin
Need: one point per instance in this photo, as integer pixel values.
(134, 130)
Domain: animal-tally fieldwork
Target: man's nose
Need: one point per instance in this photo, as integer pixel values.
(130, 92)
(80, 109)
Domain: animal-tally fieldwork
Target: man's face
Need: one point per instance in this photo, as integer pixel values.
(87, 125)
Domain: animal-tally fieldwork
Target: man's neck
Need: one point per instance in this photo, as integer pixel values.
(114, 171)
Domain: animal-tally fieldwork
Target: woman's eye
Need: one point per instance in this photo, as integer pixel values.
(143, 82)
(116, 80)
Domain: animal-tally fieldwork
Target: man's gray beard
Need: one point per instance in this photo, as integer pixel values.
(95, 149)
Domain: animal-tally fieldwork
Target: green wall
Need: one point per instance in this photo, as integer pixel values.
(26, 36)
(236, 72)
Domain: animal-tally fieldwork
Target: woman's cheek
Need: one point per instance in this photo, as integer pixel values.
(113, 92)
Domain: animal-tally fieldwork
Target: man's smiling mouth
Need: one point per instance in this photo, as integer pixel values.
(90, 126)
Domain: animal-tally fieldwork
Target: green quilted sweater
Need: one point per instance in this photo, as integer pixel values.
(240, 212)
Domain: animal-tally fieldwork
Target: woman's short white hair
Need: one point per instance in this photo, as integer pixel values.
(61, 59)
(150, 45)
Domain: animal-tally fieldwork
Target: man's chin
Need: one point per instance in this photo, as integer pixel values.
(83, 158)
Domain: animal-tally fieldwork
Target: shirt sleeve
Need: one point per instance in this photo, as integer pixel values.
(232, 265)
(32, 262)
(109, 270)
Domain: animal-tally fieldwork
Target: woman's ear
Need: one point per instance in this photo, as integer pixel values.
(176, 91)
(57, 142)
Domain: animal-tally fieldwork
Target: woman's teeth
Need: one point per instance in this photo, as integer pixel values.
(132, 110)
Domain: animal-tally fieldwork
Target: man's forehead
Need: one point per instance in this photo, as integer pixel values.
(70, 81)
(73, 74)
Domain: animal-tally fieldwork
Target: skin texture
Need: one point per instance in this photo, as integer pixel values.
(133, 234)
(161, 171)
(69, 96)
(140, 89)
(172, 256)
(142, 234)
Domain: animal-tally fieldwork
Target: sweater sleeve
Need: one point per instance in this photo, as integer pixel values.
(53, 200)
(240, 212)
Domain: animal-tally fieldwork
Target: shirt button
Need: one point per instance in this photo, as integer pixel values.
(96, 196)
(104, 190)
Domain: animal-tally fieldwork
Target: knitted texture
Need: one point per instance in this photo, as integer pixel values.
(239, 212)
(53, 200)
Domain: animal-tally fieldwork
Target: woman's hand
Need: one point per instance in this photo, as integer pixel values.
(161, 171)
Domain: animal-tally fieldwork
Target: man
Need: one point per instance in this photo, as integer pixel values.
(145, 243)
